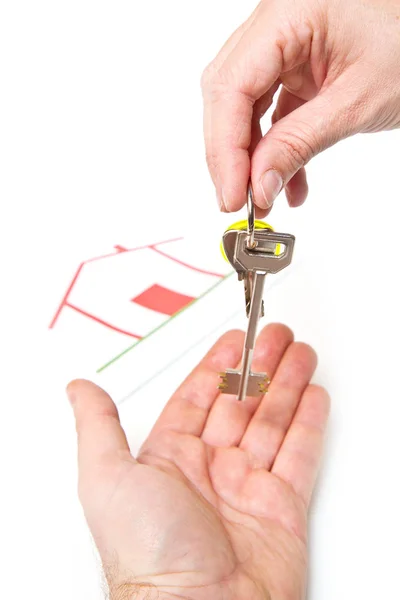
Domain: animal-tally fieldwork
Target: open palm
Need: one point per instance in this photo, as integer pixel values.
(215, 505)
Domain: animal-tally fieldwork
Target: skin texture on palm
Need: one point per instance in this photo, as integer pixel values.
(215, 504)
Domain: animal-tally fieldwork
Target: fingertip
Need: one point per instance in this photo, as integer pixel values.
(306, 353)
(70, 393)
(272, 343)
(262, 213)
(232, 337)
(88, 398)
(73, 389)
(232, 334)
(221, 202)
(294, 201)
(233, 198)
(76, 383)
(297, 189)
(320, 396)
(77, 387)
(278, 330)
(234, 175)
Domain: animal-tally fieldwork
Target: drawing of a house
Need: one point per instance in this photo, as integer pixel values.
(131, 292)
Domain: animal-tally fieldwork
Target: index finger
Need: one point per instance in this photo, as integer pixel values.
(230, 89)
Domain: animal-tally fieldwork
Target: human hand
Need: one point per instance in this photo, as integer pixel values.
(215, 505)
(338, 65)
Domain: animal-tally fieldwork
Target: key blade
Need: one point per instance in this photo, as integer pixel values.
(257, 384)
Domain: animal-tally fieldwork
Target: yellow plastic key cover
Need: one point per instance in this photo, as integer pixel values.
(242, 226)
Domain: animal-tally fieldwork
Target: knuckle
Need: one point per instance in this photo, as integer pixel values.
(213, 81)
(207, 76)
(297, 147)
(356, 114)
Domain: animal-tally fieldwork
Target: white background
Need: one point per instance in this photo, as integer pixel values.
(101, 144)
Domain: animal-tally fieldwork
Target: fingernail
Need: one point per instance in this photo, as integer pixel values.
(222, 202)
(71, 396)
(271, 184)
(221, 205)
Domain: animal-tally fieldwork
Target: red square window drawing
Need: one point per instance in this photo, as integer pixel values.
(162, 300)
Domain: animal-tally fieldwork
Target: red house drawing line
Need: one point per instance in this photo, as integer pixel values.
(156, 297)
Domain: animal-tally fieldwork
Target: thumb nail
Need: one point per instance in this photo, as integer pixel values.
(271, 184)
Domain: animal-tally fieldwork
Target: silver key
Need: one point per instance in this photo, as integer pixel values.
(253, 260)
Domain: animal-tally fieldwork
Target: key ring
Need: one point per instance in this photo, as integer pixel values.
(251, 243)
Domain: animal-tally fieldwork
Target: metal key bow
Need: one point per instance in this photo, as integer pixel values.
(253, 254)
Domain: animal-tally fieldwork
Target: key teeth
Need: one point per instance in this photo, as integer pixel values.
(230, 381)
(264, 385)
(224, 383)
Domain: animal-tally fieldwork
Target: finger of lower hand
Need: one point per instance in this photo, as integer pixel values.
(187, 410)
(229, 418)
(271, 421)
(300, 454)
(101, 438)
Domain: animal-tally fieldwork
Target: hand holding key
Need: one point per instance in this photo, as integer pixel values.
(337, 68)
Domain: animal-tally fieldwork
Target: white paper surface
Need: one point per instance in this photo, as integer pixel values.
(101, 144)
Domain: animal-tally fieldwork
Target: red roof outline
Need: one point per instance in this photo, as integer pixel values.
(119, 250)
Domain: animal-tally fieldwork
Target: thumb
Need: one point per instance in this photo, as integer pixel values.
(296, 138)
(101, 438)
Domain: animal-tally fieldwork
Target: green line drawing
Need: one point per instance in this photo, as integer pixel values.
(177, 358)
(153, 331)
